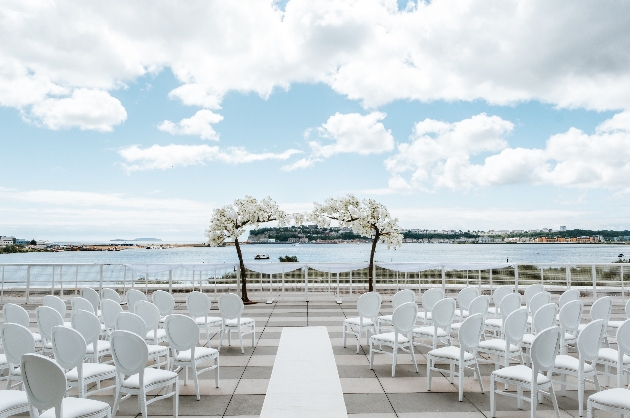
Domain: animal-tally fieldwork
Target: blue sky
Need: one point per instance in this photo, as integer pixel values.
(112, 130)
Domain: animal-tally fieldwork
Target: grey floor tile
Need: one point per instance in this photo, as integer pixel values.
(229, 372)
(429, 402)
(264, 350)
(354, 372)
(245, 405)
(257, 372)
(207, 405)
(363, 403)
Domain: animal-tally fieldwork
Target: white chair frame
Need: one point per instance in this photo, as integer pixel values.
(165, 303)
(464, 299)
(231, 308)
(94, 298)
(127, 321)
(443, 313)
(15, 314)
(497, 296)
(618, 359)
(110, 294)
(569, 320)
(510, 303)
(429, 298)
(151, 316)
(133, 296)
(58, 304)
(17, 341)
(16, 400)
(479, 305)
(199, 305)
(510, 345)
(368, 305)
(400, 297)
(47, 318)
(544, 318)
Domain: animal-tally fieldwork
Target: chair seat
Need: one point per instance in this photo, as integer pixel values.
(456, 326)
(421, 315)
(356, 321)
(497, 345)
(429, 330)
(611, 355)
(10, 399)
(464, 313)
(67, 324)
(528, 338)
(615, 324)
(154, 348)
(492, 310)
(387, 318)
(211, 320)
(244, 322)
(101, 345)
(161, 334)
(16, 372)
(494, 322)
(3, 360)
(568, 337)
(566, 362)
(520, 373)
(37, 337)
(77, 407)
(199, 353)
(151, 376)
(450, 353)
(616, 398)
(581, 327)
(388, 337)
(529, 320)
(90, 370)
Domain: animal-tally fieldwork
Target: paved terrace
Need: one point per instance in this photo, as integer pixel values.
(367, 393)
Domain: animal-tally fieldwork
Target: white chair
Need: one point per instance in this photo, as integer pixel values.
(199, 305)
(368, 305)
(111, 294)
(532, 291)
(15, 314)
(45, 384)
(134, 296)
(165, 303)
(70, 351)
(82, 304)
(429, 299)
(569, 320)
(544, 350)
(151, 316)
(512, 338)
(479, 305)
(585, 366)
(58, 304)
(497, 296)
(127, 321)
(614, 325)
(442, 318)
(510, 303)
(94, 298)
(566, 297)
(600, 309)
(109, 311)
(130, 354)
(89, 327)
(231, 308)
(618, 359)
(464, 356)
(13, 402)
(464, 299)
(400, 297)
(17, 340)
(182, 333)
(47, 319)
(544, 318)
(537, 301)
(403, 321)
(612, 400)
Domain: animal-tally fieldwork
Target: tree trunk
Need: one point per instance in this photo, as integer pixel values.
(371, 268)
(243, 272)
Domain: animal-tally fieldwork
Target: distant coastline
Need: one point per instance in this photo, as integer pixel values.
(136, 239)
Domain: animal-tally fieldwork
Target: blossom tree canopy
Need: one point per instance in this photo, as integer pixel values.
(229, 222)
(368, 218)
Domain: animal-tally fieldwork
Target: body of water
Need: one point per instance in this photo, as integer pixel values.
(330, 253)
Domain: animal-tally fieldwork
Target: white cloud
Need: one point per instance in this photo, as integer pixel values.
(439, 156)
(301, 163)
(200, 124)
(168, 156)
(85, 109)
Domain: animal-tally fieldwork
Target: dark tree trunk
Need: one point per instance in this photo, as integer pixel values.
(371, 268)
(243, 272)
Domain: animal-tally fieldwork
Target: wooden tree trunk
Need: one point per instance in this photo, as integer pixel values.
(371, 267)
(243, 272)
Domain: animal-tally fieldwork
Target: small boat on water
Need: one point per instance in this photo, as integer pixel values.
(261, 257)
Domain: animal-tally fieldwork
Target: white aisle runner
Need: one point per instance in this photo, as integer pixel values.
(304, 381)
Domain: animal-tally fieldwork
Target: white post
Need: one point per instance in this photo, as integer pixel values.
(623, 293)
(338, 286)
(479, 281)
(76, 281)
(419, 282)
(201, 281)
(170, 281)
(568, 274)
(125, 280)
(261, 284)
(52, 288)
(238, 282)
(491, 282)
(542, 276)
(61, 281)
(594, 273)
(397, 282)
(146, 284)
(351, 282)
(516, 277)
(215, 285)
(100, 282)
(405, 280)
(2, 294)
(283, 283)
(28, 282)
(270, 284)
(443, 280)
(306, 283)
(133, 284)
(329, 279)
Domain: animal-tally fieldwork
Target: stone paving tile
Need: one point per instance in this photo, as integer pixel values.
(257, 372)
(252, 386)
(362, 403)
(361, 385)
(245, 405)
(429, 402)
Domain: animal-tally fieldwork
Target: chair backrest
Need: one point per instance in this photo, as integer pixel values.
(531, 291)
(149, 313)
(470, 332)
(479, 305)
(623, 338)
(515, 325)
(628, 309)
(570, 315)
(443, 313)
(568, 296)
(544, 349)
(17, 340)
(601, 309)
(15, 314)
(403, 296)
(55, 303)
(79, 303)
(111, 294)
(182, 332)
(430, 298)
(230, 306)
(466, 296)
(369, 304)
(538, 300)
(198, 304)
(130, 353)
(93, 296)
(109, 311)
(134, 296)
(69, 347)
(47, 318)
(88, 326)
(544, 317)
(127, 321)
(590, 340)
(45, 382)
(404, 318)
(164, 302)
(509, 304)
(501, 292)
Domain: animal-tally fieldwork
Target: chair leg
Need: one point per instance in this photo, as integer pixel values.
(479, 376)
(451, 369)
(185, 375)
(222, 332)
(429, 374)
(533, 400)
(143, 404)
(359, 339)
(519, 400)
(493, 406)
(216, 371)
(581, 396)
(553, 399)
(461, 382)
(563, 385)
(253, 335)
(344, 335)
(240, 338)
(413, 354)
(116, 399)
(371, 356)
(196, 378)
(176, 400)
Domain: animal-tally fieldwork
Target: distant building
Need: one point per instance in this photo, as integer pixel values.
(4, 241)
(563, 228)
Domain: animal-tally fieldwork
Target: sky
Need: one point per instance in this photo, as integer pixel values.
(137, 119)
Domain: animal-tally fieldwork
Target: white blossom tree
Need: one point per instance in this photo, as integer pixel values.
(229, 222)
(368, 218)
